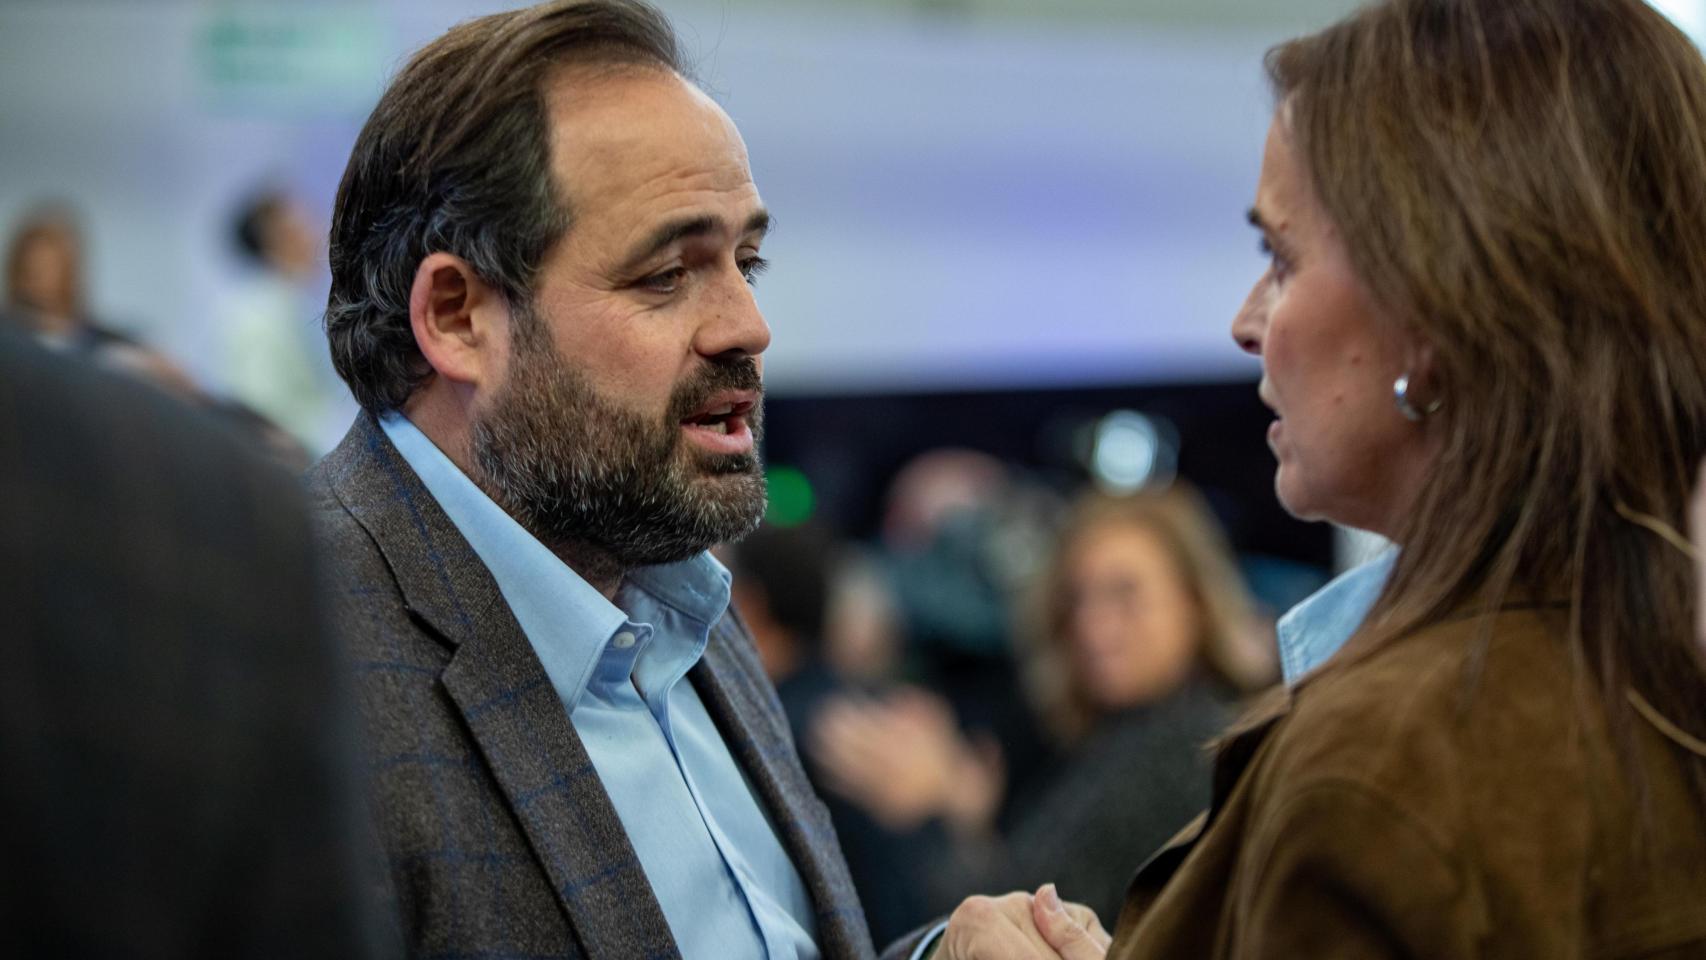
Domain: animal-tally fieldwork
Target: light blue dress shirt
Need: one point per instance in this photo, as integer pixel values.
(725, 882)
(1315, 629)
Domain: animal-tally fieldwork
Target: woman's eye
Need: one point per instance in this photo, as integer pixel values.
(665, 281)
(753, 267)
(1276, 261)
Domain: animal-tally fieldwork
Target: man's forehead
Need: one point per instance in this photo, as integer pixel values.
(639, 131)
(574, 88)
(640, 110)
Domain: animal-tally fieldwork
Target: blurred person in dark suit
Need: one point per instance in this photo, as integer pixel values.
(962, 534)
(178, 774)
(542, 257)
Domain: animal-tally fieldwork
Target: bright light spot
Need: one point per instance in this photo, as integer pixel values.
(1131, 451)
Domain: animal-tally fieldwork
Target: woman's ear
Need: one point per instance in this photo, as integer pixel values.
(1421, 366)
(450, 313)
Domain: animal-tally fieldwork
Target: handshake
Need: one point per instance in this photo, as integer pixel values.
(1022, 926)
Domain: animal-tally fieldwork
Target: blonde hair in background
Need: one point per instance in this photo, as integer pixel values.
(1234, 646)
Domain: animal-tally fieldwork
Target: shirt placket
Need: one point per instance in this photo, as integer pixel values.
(658, 704)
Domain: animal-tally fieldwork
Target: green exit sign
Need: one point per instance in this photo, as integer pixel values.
(295, 58)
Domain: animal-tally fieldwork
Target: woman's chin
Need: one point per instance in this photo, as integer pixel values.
(1285, 490)
(1296, 499)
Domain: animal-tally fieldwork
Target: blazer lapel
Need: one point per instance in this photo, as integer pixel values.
(511, 709)
(543, 769)
(742, 703)
(443, 583)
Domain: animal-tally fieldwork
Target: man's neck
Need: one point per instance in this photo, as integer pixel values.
(444, 419)
(594, 566)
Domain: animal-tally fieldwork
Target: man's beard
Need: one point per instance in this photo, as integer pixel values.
(580, 471)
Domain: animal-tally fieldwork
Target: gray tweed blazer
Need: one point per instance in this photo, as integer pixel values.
(500, 839)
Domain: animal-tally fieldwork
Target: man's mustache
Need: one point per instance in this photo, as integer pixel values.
(691, 395)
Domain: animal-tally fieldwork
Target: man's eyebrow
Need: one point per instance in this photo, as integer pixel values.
(1255, 218)
(759, 223)
(677, 230)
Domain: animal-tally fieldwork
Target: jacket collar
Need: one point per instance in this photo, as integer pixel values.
(443, 583)
(1313, 630)
(1238, 750)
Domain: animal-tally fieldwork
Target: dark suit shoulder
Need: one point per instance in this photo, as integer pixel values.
(159, 584)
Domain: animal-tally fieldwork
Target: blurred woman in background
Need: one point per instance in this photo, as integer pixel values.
(44, 283)
(1143, 639)
(45, 297)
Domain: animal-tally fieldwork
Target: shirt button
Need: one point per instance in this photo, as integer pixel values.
(623, 640)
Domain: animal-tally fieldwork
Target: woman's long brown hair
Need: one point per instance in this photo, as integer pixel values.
(1522, 185)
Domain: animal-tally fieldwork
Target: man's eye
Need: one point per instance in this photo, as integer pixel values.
(753, 267)
(664, 282)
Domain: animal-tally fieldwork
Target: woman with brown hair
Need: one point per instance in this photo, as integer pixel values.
(1483, 334)
(1143, 640)
(1142, 598)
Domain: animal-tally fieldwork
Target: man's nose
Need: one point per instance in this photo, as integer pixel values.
(735, 326)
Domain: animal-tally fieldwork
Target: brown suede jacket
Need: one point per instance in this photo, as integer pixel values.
(1400, 807)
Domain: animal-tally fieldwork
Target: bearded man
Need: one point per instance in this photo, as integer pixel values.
(542, 256)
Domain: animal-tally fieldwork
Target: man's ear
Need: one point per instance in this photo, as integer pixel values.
(455, 317)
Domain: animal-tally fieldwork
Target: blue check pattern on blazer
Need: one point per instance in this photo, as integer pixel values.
(500, 839)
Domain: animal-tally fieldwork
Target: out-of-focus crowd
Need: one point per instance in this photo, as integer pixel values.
(1008, 687)
(1481, 336)
(271, 386)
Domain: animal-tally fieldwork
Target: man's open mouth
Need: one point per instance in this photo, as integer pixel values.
(723, 416)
